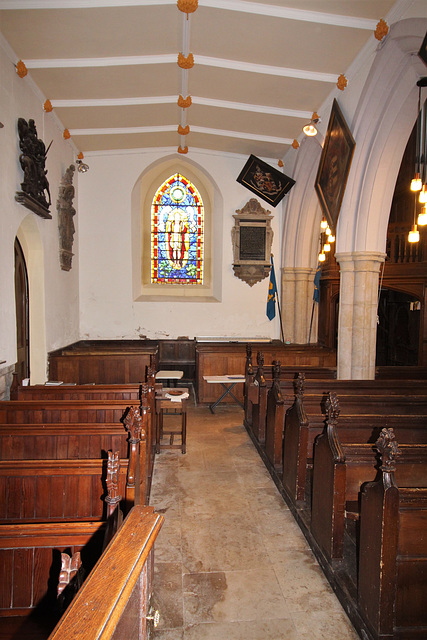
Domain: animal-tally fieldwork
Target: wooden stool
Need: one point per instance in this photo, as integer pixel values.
(166, 406)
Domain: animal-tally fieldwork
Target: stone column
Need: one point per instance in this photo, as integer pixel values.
(357, 323)
(297, 297)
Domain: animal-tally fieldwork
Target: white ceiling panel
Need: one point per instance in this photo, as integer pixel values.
(261, 68)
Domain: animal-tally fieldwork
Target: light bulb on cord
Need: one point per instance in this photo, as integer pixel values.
(326, 247)
(331, 239)
(324, 224)
(422, 217)
(322, 257)
(423, 195)
(414, 234)
(416, 183)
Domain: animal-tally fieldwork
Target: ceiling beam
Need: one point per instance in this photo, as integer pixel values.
(171, 58)
(173, 127)
(241, 6)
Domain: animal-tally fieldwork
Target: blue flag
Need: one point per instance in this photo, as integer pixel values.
(316, 294)
(272, 293)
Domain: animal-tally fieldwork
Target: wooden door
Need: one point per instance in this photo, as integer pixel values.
(22, 314)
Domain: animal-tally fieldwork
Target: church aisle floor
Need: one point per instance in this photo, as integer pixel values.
(230, 561)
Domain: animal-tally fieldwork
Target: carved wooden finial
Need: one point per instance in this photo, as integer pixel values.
(70, 566)
(388, 449)
(276, 369)
(332, 408)
(299, 385)
(133, 424)
(113, 468)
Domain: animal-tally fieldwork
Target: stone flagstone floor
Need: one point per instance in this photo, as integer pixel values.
(230, 561)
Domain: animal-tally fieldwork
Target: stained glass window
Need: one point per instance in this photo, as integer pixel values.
(177, 233)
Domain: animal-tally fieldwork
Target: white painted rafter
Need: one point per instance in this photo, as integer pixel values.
(171, 58)
(172, 127)
(242, 6)
(206, 102)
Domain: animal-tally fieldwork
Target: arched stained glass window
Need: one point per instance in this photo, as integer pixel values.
(177, 219)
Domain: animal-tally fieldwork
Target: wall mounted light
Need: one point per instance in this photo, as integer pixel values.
(310, 128)
(82, 167)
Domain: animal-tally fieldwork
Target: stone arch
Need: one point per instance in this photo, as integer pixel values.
(29, 237)
(383, 120)
(142, 194)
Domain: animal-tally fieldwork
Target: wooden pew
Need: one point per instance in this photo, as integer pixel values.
(130, 392)
(30, 556)
(61, 440)
(88, 411)
(36, 566)
(55, 489)
(339, 470)
(116, 605)
(392, 582)
(315, 392)
(305, 420)
(259, 383)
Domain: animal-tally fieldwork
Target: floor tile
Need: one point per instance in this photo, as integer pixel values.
(230, 561)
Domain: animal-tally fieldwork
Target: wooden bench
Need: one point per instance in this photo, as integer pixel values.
(55, 489)
(315, 392)
(85, 412)
(258, 384)
(341, 467)
(115, 605)
(392, 582)
(305, 420)
(37, 567)
(31, 562)
(130, 392)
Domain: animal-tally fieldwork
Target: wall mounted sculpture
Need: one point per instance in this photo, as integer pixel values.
(35, 194)
(66, 212)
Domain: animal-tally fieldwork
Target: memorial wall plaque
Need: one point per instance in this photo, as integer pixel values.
(252, 237)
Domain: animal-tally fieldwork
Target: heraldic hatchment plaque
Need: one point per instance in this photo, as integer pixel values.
(252, 237)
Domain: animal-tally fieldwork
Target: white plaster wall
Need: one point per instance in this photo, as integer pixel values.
(107, 308)
(56, 319)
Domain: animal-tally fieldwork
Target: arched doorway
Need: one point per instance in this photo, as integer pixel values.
(22, 368)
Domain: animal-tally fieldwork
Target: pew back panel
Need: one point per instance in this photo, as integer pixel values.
(30, 561)
(55, 489)
(61, 441)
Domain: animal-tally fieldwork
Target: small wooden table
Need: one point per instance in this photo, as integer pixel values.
(167, 406)
(228, 382)
(170, 377)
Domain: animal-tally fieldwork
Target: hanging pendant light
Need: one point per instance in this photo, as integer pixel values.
(420, 149)
(422, 217)
(414, 234)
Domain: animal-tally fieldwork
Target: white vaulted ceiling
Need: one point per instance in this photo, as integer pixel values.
(110, 70)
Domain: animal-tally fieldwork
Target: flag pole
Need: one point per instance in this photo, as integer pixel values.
(311, 322)
(278, 303)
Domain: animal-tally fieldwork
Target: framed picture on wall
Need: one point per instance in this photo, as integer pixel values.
(264, 180)
(334, 165)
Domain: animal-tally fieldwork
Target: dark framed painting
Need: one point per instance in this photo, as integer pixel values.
(334, 166)
(265, 181)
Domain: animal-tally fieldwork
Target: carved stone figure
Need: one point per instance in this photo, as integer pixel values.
(35, 194)
(66, 212)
